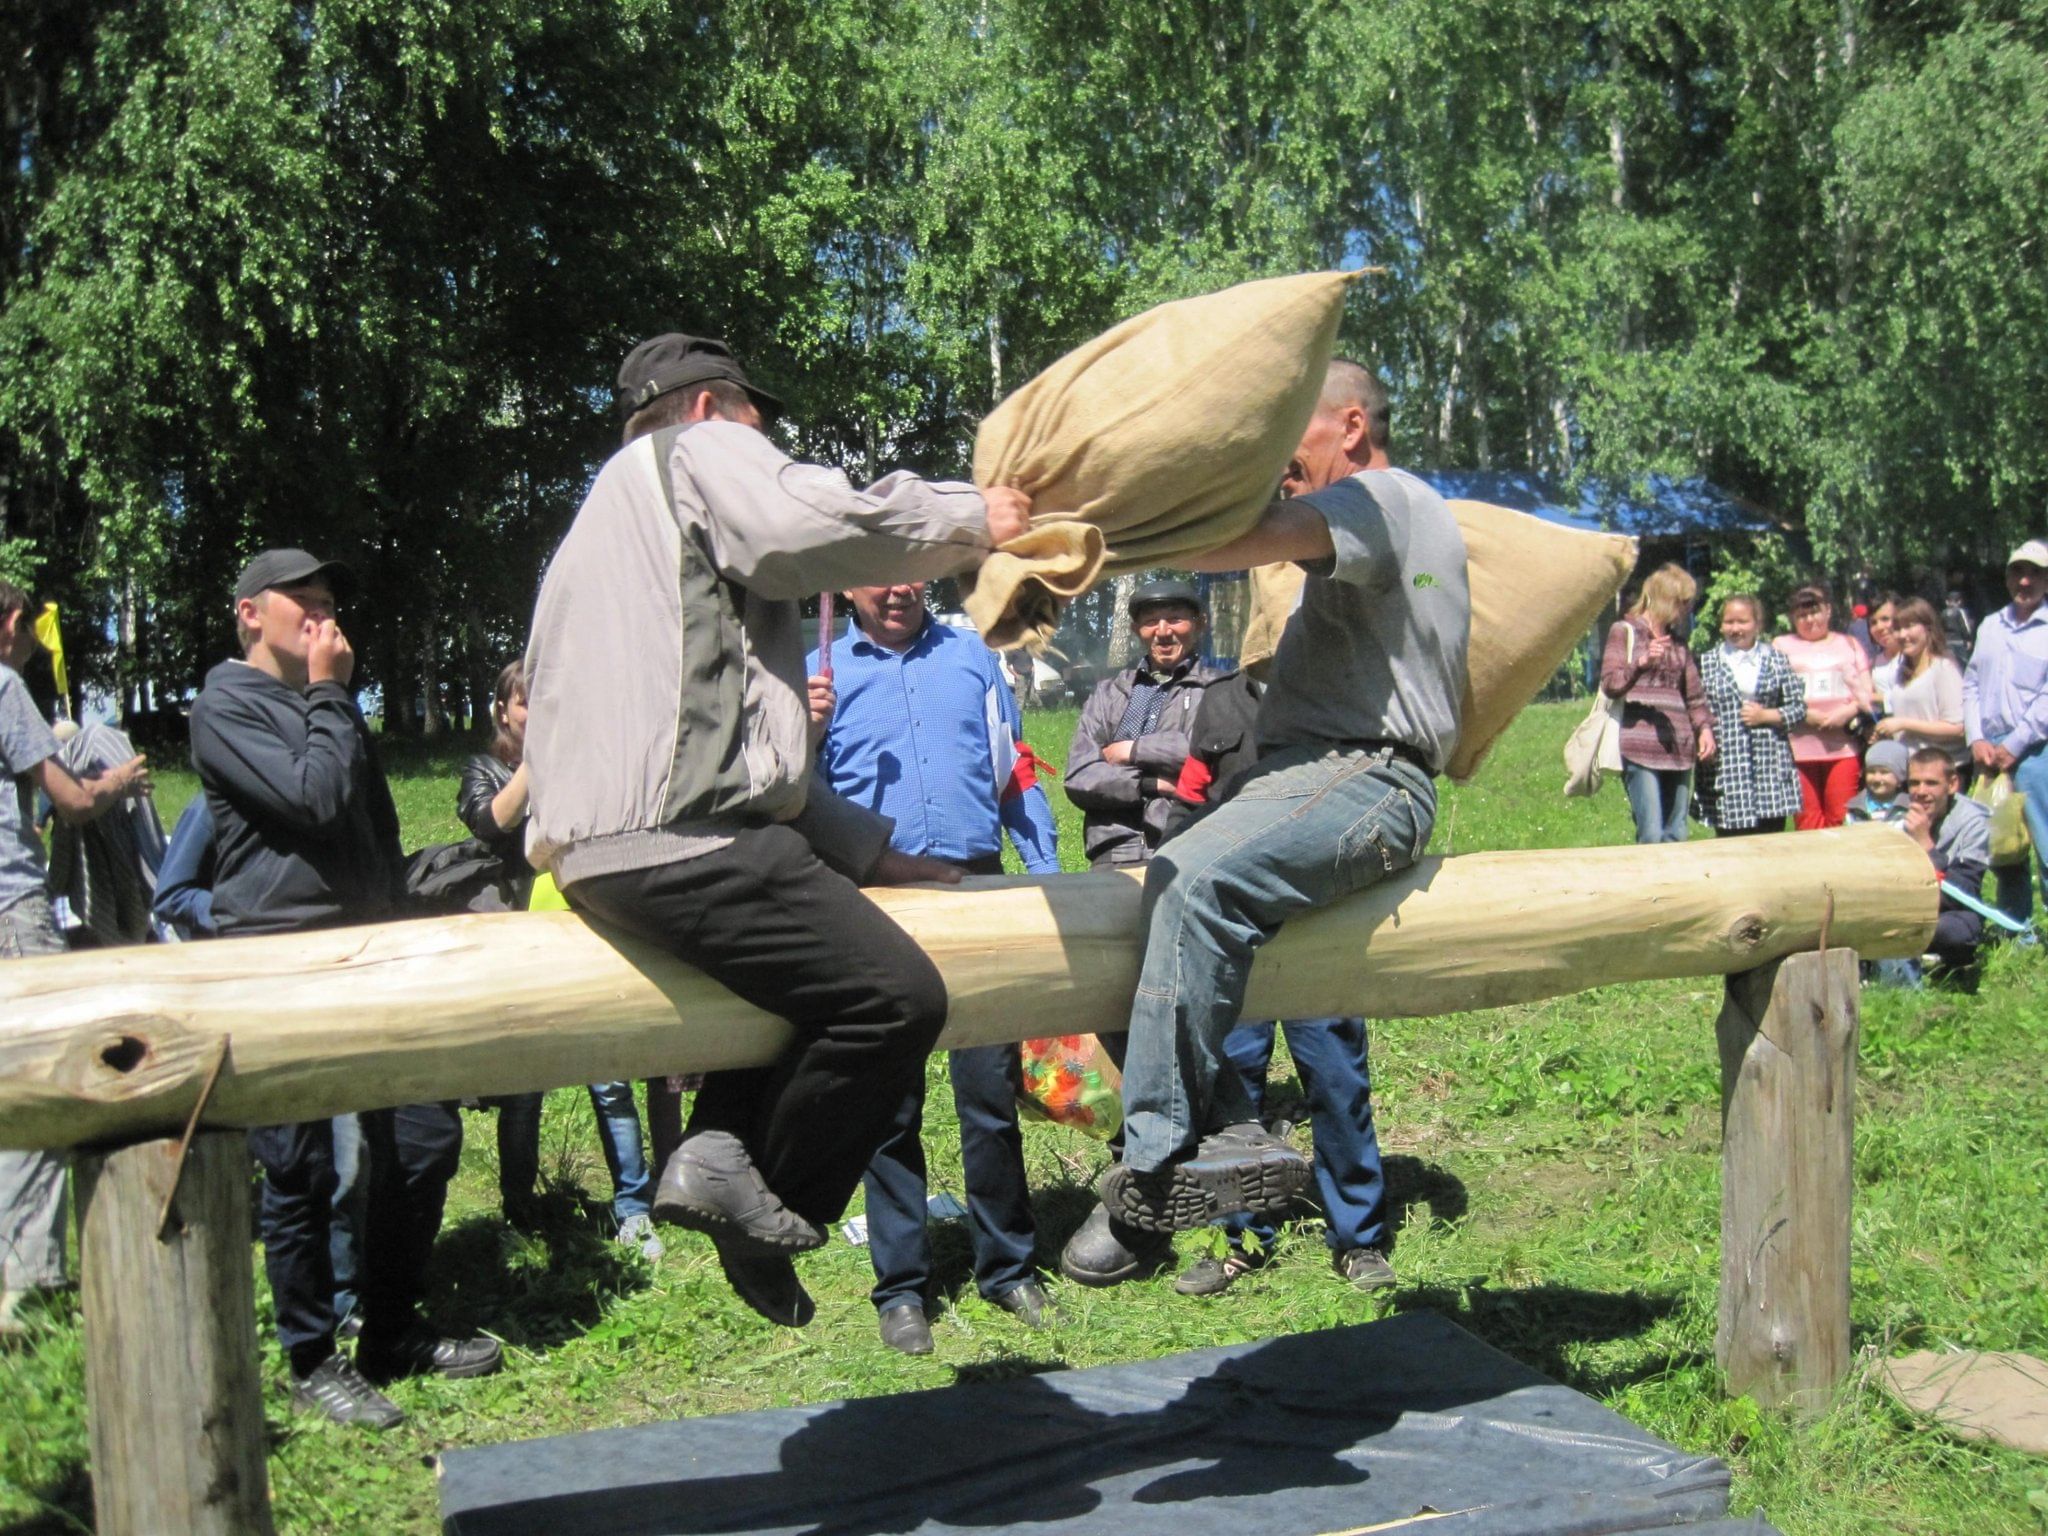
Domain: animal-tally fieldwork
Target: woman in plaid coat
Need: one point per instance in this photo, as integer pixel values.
(1751, 785)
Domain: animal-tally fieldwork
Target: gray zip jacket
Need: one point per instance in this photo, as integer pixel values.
(665, 673)
(1121, 823)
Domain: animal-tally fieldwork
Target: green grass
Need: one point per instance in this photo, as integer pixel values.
(1554, 1173)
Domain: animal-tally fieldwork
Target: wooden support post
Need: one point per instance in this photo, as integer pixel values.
(171, 1379)
(1788, 1088)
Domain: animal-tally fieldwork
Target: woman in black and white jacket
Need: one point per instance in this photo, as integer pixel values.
(1755, 696)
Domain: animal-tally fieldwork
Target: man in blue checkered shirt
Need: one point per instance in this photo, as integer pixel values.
(925, 731)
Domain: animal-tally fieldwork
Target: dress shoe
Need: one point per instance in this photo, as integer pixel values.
(1103, 1251)
(712, 1186)
(905, 1330)
(1239, 1168)
(1028, 1303)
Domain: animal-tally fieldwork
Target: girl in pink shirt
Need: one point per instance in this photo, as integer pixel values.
(1836, 675)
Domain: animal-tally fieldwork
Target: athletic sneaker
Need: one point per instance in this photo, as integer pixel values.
(419, 1351)
(638, 1232)
(1212, 1277)
(1239, 1168)
(336, 1388)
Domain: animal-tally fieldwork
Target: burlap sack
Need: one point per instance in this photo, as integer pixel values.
(1162, 438)
(1536, 588)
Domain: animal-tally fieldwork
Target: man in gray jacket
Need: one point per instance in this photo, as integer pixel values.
(1132, 736)
(672, 790)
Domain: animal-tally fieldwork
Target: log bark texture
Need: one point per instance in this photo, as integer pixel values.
(175, 1403)
(113, 1045)
(1788, 1091)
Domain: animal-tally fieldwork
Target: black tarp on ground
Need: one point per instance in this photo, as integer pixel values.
(1299, 1436)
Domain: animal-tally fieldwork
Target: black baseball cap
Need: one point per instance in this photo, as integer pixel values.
(673, 361)
(289, 567)
(1157, 594)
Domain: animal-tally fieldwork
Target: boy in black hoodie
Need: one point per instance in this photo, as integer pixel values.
(306, 837)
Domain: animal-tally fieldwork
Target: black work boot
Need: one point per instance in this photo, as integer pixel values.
(1106, 1252)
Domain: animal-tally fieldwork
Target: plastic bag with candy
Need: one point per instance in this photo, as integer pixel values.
(1070, 1080)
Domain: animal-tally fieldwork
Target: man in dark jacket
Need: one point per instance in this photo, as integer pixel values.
(306, 836)
(1132, 736)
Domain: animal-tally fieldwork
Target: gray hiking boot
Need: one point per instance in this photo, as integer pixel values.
(712, 1186)
(1239, 1168)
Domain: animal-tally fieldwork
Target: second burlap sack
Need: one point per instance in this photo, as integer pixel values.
(1160, 439)
(1536, 590)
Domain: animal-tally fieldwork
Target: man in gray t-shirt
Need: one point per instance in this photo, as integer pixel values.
(32, 1183)
(1361, 712)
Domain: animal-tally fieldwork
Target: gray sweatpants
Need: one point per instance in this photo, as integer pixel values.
(31, 1183)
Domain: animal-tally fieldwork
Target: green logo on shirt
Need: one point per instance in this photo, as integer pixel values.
(1424, 579)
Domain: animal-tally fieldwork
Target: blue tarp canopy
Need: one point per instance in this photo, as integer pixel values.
(1666, 508)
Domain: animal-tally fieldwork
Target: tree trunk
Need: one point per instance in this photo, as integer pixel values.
(1788, 1090)
(115, 1043)
(175, 1403)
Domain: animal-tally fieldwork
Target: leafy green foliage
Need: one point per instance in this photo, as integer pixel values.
(358, 275)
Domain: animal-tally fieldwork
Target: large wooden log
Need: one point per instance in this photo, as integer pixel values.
(113, 1045)
(176, 1405)
(1788, 1107)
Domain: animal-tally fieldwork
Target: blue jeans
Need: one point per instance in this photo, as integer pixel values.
(1330, 1054)
(2015, 882)
(985, 1083)
(345, 1221)
(1307, 827)
(1661, 799)
(32, 1191)
(618, 1133)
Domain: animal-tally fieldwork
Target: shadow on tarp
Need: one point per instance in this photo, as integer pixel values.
(1312, 1433)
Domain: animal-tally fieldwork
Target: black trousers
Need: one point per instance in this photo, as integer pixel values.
(986, 1081)
(765, 918)
(410, 1154)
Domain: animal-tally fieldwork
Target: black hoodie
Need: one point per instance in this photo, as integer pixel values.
(305, 832)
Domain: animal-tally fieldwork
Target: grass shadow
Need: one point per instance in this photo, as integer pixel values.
(536, 1286)
(1540, 1325)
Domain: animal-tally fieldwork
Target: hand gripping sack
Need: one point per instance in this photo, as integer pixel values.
(1536, 589)
(1161, 438)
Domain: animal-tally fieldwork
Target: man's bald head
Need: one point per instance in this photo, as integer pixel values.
(1350, 382)
(1347, 433)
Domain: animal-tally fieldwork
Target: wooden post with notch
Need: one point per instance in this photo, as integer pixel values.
(1787, 1034)
(172, 1388)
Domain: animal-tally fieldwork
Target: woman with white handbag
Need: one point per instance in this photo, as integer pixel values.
(1756, 697)
(1666, 727)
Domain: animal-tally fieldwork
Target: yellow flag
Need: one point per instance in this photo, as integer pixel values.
(53, 642)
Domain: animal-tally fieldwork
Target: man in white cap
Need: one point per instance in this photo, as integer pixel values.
(2005, 707)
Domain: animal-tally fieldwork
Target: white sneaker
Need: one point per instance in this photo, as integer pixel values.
(11, 1327)
(638, 1231)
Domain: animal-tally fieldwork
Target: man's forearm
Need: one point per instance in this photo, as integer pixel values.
(1287, 530)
